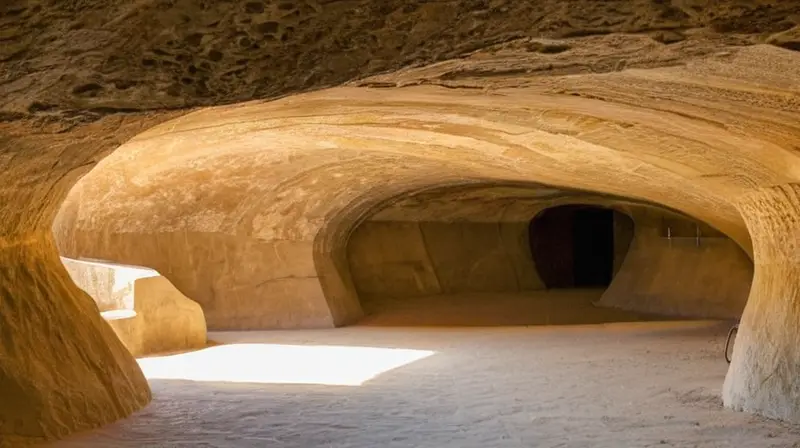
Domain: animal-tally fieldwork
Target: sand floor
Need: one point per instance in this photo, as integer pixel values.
(613, 385)
(550, 307)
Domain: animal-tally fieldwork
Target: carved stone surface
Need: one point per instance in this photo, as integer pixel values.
(143, 308)
(689, 110)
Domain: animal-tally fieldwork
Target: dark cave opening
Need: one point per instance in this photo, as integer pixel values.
(573, 246)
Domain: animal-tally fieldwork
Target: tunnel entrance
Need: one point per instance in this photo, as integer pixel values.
(573, 246)
(463, 258)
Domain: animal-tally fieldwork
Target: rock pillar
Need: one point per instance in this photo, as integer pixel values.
(764, 376)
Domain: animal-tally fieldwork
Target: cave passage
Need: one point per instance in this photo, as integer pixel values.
(573, 246)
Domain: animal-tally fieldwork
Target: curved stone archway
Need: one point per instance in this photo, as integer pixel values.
(331, 156)
(713, 137)
(473, 238)
(686, 112)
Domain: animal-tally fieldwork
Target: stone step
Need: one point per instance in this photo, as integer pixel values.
(118, 314)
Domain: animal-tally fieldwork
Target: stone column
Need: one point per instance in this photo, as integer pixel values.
(764, 376)
(62, 369)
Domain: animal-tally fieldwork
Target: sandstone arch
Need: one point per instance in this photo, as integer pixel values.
(472, 238)
(62, 369)
(427, 135)
(714, 137)
(288, 213)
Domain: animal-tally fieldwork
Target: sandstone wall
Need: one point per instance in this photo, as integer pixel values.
(305, 170)
(412, 259)
(696, 118)
(670, 277)
(763, 377)
(679, 276)
(240, 282)
(165, 320)
(190, 198)
(63, 369)
(143, 308)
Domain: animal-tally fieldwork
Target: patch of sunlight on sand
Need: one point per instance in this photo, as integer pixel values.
(281, 364)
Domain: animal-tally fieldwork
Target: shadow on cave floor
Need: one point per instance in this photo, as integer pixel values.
(552, 307)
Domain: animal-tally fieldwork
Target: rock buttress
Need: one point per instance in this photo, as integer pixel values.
(764, 376)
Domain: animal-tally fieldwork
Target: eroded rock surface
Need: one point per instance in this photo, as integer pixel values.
(686, 113)
(763, 373)
(693, 137)
(75, 60)
(64, 369)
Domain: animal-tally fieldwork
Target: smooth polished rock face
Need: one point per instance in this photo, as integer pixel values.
(692, 119)
(165, 321)
(680, 271)
(448, 242)
(401, 259)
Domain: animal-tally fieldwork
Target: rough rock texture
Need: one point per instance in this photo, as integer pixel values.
(763, 377)
(61, 367)
(77, 60)
(716, 122)
(693, 137)
(145, 311)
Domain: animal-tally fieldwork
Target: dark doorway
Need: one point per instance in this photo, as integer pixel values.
(573, 246)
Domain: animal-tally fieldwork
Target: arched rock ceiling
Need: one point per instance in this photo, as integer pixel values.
(685, 113)
(80, 79)
(692, 137)
(490, 203)
(78, 60)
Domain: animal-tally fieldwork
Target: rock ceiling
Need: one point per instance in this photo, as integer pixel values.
(692, 107)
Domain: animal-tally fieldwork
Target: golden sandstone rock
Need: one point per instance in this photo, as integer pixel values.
(588, 96)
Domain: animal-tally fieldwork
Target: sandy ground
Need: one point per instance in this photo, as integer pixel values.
(612, 385)
(552, 307)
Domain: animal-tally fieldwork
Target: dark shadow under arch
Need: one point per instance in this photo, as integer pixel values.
(579, 246)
